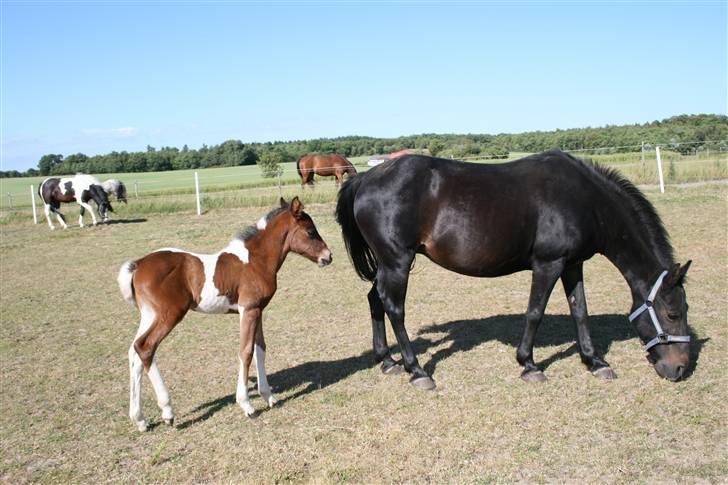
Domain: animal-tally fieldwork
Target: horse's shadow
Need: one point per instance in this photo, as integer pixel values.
(463, 335)
(124, 221)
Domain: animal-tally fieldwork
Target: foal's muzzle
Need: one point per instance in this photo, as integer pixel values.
(325, 258)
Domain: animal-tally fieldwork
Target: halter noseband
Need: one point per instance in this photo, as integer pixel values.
(661, 337)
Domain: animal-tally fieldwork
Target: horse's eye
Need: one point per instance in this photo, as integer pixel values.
(674, 316)
(311, 233)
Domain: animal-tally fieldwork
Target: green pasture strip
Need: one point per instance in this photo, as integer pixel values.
(686, 169)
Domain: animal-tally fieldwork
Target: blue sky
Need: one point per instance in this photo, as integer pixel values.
(93, 77)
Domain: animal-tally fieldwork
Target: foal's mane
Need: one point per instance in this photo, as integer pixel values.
(252, 230)
(641, 208)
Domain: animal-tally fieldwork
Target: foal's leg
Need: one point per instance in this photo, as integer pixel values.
(573, 281)
(248, 321)
(135, 371)
(392, 288)
(379, 334)
(543, 279)
(259, 354)
(145, 347)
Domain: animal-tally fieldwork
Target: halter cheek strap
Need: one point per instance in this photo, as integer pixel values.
(661, 337)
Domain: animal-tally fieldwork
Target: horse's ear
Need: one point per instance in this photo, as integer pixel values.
(676, 275)
(283, 203)
(296, 207)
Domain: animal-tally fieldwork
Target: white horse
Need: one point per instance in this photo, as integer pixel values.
(116, 187)
(80, 188)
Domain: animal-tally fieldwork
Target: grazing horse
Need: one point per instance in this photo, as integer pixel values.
(241, 278)
(116, 187)
(547, 213)
(325, 165)
(80, 188)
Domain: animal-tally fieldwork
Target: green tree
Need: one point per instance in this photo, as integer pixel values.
(269, 162)
(48, 162)
(435, 147)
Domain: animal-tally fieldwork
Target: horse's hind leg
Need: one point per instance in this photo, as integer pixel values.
(573, 281)
(379, 334)
(152, 330)
(542, 283)
(135, 371)
(392, 288)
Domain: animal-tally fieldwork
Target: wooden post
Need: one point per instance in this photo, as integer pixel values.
(197, 194)
(32, 198)
(659, 170)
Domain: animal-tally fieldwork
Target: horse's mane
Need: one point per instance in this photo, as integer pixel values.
(252, 230)
(641, 208)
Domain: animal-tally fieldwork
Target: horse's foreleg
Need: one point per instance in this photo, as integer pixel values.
(248, 322)
(573, 281)
(543, 280)
(392, 288)
(84, 205)
(379, 334)
(47, 210)
(259, 354)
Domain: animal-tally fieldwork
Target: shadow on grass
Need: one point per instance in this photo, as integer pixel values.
(463, 335)
(125, 221)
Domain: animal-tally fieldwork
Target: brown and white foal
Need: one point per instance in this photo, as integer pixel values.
(241, 278)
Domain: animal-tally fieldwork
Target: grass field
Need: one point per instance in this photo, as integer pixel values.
(150, 186)
(64, 372)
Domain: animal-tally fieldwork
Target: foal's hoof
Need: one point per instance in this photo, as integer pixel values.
(533, 376)
(425, 383)
(169, 422)
(392, 368)
(141, 425)
(605, 373)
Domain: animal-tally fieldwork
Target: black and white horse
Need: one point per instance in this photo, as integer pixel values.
(116, 187)
(80, 188)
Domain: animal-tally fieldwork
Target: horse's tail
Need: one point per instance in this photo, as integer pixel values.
(126, 283)
(361, 255)
(298, 166)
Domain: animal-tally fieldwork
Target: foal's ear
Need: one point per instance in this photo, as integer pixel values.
(296, 207)
(676, 275)
(283, 203)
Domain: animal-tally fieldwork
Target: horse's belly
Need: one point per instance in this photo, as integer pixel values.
(480, 260)
(210, 303)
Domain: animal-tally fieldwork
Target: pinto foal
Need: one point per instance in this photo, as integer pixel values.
(241, 279)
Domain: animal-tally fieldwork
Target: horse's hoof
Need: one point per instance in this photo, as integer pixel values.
(533, 376)
(392, 368)
(248, 409)
(425, 383)
(169, 422)
(605, 373)
(270, 400)
(141, 425)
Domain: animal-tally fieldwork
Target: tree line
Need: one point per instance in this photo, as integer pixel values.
(683, 133)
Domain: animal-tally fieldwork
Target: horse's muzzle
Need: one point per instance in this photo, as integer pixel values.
(325, 258)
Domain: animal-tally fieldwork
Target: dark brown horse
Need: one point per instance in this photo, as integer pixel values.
(240, 278)
(325, 165)
(547, 213)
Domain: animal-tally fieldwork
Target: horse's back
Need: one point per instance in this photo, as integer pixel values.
(476, 219)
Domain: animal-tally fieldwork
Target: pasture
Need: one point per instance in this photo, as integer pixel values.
(66, 331)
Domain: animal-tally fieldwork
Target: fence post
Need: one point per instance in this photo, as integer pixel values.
(136, 190)
(32, 199)
(197, 194)
(659, 170)
(10, 200)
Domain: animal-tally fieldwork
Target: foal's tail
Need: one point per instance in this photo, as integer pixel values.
(361, 255)
(126, 285)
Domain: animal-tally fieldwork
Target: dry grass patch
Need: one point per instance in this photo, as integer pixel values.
(64, 372)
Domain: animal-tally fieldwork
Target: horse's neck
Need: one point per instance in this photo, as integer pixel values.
(268, 250)
(637, 262)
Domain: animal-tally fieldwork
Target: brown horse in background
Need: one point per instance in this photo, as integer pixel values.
(324, 165)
